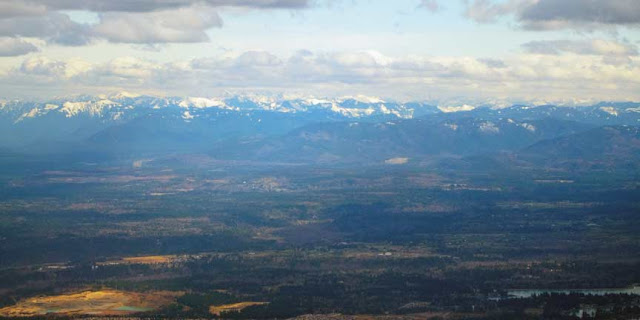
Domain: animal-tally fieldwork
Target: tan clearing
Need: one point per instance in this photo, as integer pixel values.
(141, 260)
(102, 302)
(235, 307)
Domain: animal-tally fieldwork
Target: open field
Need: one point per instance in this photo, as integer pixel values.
(141, 260)
(234, 307)
(102, 302)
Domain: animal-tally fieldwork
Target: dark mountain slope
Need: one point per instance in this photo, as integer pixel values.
(609, 147)
(356, 141)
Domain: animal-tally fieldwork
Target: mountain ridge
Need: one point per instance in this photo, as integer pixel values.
(306, 130)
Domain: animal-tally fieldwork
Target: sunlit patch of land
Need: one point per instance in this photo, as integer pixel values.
(100, 302)
(235, 307)
(142, 260)
(149, 259)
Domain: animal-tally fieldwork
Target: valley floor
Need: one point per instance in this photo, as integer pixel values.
(202, 239)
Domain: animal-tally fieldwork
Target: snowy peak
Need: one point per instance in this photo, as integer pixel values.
(201, 103)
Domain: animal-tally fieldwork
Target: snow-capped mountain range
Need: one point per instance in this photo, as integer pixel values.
(123, 105)
(258, 126)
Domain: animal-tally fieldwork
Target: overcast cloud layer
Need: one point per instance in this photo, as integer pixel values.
(577, 55)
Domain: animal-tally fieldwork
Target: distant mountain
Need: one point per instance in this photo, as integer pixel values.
(599, 148)
(62, 120)
(604, 113)
(363, 141)
(289, 129)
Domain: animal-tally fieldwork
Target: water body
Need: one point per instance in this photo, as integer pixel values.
(527, 293)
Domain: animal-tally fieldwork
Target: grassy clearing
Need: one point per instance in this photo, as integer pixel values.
(101, 302)
(235, 307)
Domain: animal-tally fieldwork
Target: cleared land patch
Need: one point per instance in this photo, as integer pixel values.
(141, 260)
(235, 307)
(102, 302)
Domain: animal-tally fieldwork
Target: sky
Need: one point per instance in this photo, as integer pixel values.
(450, 52)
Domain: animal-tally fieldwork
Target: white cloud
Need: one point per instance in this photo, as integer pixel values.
(564, 77)
(127, 68)
(51, 70)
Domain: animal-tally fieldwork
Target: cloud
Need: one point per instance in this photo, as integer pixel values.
(124, 21)
(43, 69)
(558, 14)
(493, 63)
(517, 77)
(431, 5)
(53, 27)
(124, 68)
(145, 5)
(585, 47)
(612, 52)
(487, 11)
(178, 25)
(187, 24)
(550, 13)
(10, 47)
(257, 59)
(12, 8)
